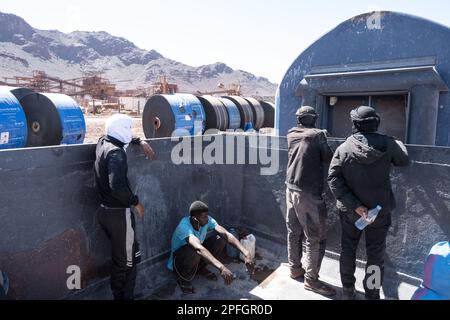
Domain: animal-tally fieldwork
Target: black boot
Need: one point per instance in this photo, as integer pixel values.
(348, 293)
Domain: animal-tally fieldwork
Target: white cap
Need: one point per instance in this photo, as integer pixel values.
(119, 127)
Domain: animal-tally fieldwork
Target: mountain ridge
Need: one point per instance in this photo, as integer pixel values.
(71, 55)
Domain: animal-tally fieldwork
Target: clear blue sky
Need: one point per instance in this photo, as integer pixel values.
(262, 37)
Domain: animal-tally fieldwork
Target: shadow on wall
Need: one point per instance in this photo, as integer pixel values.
(52, 223)
(421, 219)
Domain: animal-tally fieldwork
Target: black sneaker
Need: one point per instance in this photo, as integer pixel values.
(372, 294)
(297, 274)
(319, 287)
(185, 286)
(372, 297)
(348, 293)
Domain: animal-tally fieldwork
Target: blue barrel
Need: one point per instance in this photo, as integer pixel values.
(234, 117)
(245, 111)
(13, 124)
(166, 115)
(53, 119)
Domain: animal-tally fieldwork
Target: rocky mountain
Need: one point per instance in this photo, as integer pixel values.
(24, 49)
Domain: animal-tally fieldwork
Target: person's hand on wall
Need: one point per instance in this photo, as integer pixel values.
(326, 133)
(139, 208)
(148, 151)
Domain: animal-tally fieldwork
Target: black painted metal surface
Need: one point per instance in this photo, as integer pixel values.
(269, 114)
(216, 113)
(48, 207)
(258, 112)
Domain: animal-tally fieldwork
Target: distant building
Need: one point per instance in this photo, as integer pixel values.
(397, 63)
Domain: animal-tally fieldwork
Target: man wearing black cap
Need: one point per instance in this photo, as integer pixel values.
(192, 250)
(359, 179)
(308, 152)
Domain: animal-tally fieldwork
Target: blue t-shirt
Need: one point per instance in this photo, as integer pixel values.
(184, 230)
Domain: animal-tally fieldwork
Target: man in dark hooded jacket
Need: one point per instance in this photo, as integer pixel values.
(306, 211)
(359, 179)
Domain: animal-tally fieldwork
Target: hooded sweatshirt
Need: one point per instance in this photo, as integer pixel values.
(360, 169)
(308, 151)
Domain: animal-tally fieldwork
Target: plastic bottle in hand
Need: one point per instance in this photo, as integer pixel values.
(249, 243)
(362, 223)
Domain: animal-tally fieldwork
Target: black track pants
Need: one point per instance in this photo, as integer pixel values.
(119, 225)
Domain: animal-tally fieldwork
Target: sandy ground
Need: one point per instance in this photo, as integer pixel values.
(95, 128)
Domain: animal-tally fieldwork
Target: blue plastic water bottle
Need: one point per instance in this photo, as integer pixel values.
(362, 223)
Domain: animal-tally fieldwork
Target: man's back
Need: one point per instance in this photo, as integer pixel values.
(307, 151)
(360, 169)
(111, 174)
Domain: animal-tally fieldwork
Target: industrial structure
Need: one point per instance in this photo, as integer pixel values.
(94, 85)
(232, 90)
(96, 94)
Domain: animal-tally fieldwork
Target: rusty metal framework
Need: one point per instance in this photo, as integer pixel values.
(93, 85)
(163, 87)
(232, 90)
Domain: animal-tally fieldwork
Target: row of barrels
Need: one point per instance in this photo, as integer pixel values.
(167, 115)
(32, 119)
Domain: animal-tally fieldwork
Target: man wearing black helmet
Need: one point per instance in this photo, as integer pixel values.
(359, 179)
(306, 212)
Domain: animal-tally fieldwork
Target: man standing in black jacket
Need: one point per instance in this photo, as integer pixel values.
(359, 179)
(308, 152)
(115, 214)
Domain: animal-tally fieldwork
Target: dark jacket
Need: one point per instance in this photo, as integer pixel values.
(308, 151)
(359, 171)
(111, 170)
